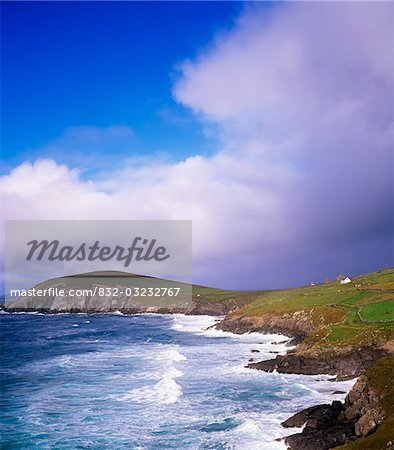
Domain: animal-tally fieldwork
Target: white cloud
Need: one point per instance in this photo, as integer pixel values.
(216, 193)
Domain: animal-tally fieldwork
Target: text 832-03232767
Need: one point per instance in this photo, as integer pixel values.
(99, 291)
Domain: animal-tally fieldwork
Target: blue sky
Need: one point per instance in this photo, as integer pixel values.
(105, 63)
(269, 125)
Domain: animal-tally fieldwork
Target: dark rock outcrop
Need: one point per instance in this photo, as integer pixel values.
(296, 325)
(315, 416)
(345, 363)
(323, 429)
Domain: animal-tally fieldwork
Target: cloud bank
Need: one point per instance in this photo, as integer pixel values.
(302, 186)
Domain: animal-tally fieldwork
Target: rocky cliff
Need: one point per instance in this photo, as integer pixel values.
(296, 325)
(354, 424)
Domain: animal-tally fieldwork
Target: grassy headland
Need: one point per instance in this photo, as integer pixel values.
(337, 313)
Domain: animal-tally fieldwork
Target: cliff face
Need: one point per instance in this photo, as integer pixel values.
(363, 407)
(322, 428)
(312, 356)
(197, 306)
(296, 325)
(201, 305)
(354, 424)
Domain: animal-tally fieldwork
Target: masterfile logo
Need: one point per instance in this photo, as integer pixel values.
(140, 249)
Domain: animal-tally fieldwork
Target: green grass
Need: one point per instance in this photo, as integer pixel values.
(378, 312)
(343, 333)
(214, 294)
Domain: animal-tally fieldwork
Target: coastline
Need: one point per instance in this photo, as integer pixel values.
(339, 424)
(312, 354)
(258, 344)
(298, 420)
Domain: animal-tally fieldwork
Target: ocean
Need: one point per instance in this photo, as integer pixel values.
(144, 382)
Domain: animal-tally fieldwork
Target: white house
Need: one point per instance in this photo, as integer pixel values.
(345, 280)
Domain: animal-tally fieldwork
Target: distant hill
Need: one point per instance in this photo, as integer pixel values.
(103, 291)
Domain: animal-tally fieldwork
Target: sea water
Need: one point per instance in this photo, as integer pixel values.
(145, 382)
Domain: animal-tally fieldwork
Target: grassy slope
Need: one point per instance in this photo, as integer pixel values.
(222, 294)
(345, 314)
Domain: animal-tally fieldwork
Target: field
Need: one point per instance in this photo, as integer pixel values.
(377, 312)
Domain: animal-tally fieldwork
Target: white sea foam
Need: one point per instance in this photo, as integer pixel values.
(173, 372)
(248, 426)
(258, 436)
(193, 324)
(166, 391)
(204, 325)
(324, 388)
(171, 355)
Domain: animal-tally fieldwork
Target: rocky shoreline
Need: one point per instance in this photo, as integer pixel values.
(325, 426)
(328, 426)
(344, 364)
